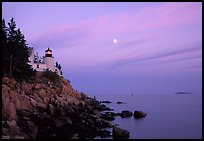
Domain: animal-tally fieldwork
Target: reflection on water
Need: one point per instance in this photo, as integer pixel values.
(169, 116)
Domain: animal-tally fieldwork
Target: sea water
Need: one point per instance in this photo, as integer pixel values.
(169, 116)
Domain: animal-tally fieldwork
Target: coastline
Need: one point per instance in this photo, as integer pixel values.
(46, 109)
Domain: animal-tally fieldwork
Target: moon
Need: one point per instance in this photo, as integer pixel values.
(115, 41)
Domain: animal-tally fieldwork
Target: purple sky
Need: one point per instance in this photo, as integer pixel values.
(159, 48)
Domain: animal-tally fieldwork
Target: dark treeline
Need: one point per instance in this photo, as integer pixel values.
(15, 53)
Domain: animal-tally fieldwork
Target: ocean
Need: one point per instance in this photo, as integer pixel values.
(169, 116)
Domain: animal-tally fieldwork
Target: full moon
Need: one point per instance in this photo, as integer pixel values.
(115, 40)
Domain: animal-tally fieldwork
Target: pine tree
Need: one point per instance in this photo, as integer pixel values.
(16, 54)
(5, 49)
(57, 64)
(36, 58)
(59, 67)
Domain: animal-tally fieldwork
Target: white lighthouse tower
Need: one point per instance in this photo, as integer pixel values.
(49, 60)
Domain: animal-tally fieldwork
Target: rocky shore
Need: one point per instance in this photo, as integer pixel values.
(49, 109)
(45, 108)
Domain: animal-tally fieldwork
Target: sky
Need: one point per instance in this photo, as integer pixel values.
(157, 48)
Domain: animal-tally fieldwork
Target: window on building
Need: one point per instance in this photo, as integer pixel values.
(37, 65)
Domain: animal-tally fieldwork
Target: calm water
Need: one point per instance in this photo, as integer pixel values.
(169, 116)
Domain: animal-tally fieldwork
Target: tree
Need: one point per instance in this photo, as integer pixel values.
(59, 67)
(57, 64)
(5, 49)
(36, 58)
(17, 53)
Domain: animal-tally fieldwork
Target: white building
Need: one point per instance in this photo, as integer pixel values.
(46, 64)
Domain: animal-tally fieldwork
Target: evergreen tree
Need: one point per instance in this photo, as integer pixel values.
(16, 52)
(11, 44)
(36, 58)
(59, 67)
(5, 49)
(57, 64)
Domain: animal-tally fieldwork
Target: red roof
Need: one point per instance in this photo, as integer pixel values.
(48, 50)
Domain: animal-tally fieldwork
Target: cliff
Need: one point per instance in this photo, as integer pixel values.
(48, 107)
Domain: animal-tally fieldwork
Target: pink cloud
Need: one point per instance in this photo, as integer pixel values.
(160, 16)
(90, 39)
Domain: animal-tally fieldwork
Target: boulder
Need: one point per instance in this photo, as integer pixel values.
(119, 102)
(5, 80)
(17, 103)
(126, 113)
(9, 111)
(119, 133)
(41, 106)
(17, 137)
(5, 90)
(41, 93)
(106, 101)
(46, 100)
(32, 129)
(139, 114)
(5, 137)
(65, 120)
(104, 133)
(24, 102)
(24, 113)
(33, 102)
(75, 136)
(108, 116)
(58, 123)
(51, 109)
(12, 125)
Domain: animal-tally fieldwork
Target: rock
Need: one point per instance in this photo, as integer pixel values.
(108, 116)
(5, 137)
(33, 102)
(37, 98)
(5, 80)
(17, 103)
(24, 102)
(105, 101)
(5, 90)
(119, 133)
(17, 137)
(59, 99)
(104, 133)
(36, 86)
(119, 102)
(5, 131)
(101, 123)
(126, 113)
(118, 114)
(32, 129)
(75, 136)
(51, 109)
(58, 123)
(102, 108)
(65, 120)
(41, 93)
(24, 113)
(9, 111)
(41, 105)
(5, 104)
(3, 123)
(46, 100)
(12, 95)
(139, 114)
(12, 125)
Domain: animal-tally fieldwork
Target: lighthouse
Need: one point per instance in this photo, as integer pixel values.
(47, 63)
(49, 60)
